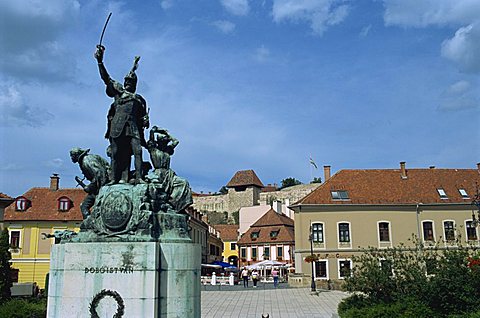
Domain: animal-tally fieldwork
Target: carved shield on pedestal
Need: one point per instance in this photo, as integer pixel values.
(116, 210)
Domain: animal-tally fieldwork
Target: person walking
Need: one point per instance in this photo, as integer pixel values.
(245, 277)
(255, 278)
(275, 277)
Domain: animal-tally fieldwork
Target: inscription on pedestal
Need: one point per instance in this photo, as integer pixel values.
(109, 270)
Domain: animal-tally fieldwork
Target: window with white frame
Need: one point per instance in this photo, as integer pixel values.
(317, 232)
(384, 231)
(471, 231)
(442, 193)
(15, 239)
(254, 253)
(428, 234)
(340, 195)
(279, 252)
(344, 268)
(463, 193)
(64, 204)
(449, 230)
(266, 252)
(344, 232)
(321, 269)
(21, 204)
(243, 252)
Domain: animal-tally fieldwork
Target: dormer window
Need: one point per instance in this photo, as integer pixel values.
(442, 193)
(463, 193)
(274, 234)
(254, 235)
(64, 204)
(21, 204)
(340, 195)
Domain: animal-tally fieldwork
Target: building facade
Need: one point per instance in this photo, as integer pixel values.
(357, 209)
(229, 237)
(271, 237)
(37, 212)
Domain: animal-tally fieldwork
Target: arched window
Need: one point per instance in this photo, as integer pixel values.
(64, 204)
(21, 204)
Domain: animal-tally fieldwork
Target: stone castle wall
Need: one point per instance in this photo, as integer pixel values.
(234, 200)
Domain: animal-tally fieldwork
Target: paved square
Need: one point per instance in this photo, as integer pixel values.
(279, 303)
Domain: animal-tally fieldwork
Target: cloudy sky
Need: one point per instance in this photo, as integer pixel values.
(244, 84)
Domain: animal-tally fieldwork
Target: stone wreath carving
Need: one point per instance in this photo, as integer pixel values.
(106, 292)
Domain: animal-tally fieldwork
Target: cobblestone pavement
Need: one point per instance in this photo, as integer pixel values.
(278, 303)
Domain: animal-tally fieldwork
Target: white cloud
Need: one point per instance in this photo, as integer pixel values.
(236, 7)
(321, 14)
(459, 96)
(54, 163)
(459, 87)
(224, 26)
(422, 13)
(15, 112)
(262, 54)
(166, 4)
(464, 48)
(29, 33)
(365, 30)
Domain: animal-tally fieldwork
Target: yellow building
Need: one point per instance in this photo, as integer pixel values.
(40, 211)
(381, 208)
(229, 236)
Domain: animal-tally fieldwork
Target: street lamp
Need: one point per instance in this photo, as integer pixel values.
(314, 288)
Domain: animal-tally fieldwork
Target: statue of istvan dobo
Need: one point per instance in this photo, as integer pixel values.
(123, 204)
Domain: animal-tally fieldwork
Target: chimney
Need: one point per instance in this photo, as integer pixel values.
(403, 171)
(326, 173)
(54, 182)
(432, 167)
(277, 206)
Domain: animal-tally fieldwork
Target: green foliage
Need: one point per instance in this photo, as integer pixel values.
(22, 308)
(316, 180)
(443, 280)
(288, 182)
(236, 217)
(5, 269)
(406, 308)
(216, 217)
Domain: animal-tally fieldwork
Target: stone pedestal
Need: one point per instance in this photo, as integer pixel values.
(142, 279)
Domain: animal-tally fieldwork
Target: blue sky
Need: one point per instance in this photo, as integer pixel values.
(244, 84)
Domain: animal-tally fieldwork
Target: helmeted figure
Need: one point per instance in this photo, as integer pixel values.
(96, 170)
(127, 118)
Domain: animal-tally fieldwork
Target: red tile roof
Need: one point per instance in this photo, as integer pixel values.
(44, 206)
(386, 186)
(244, 178)
(270, 221)
(4, 196)
(228, 232)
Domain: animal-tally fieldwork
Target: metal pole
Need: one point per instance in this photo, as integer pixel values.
(314, 287)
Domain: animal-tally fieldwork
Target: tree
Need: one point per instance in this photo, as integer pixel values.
(316, 180)
(236, 217)
(5, 269)
(288, 182)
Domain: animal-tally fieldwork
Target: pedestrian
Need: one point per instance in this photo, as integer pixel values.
(255, 278)
(275, 277)
(245, 277)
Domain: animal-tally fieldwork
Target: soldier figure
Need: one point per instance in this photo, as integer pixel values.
(127, 119)
(96, 170)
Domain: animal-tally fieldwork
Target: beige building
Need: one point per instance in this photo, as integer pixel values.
(356, 209)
